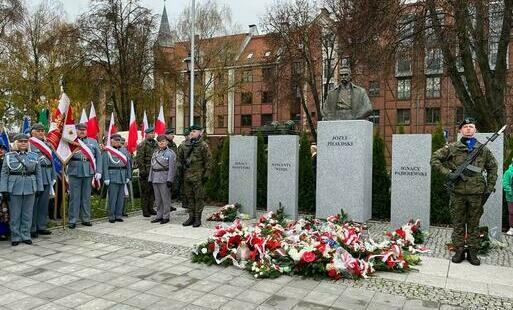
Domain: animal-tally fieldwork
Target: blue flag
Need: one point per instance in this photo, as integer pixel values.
(26, 125)
(57, 164)
(4, 140)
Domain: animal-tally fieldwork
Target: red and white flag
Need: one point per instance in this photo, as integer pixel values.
(132, 131)
(144, 125)
(41, 145)
(83, 117)
(112, 129)
(92, 124)
(160, 123)
(62, 129)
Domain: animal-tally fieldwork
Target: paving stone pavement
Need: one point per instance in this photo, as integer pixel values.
(139, 265)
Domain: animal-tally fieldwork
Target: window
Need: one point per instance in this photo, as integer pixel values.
(405, 29)
(495, 17)
(246, 120)
(403, 89)
(403, 65)
(267, 119)
(374, 88)
(403, 116)
(433, 61)
(429, 32)
(246, 98)
(267, 96)
(459, 115)
(221, 121)
(433, 87)
(267, 73)
(432, 115)
(374, 117)
(247, 76)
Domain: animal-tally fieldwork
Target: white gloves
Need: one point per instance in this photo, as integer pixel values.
(106, 182)
(53, 182)
(127, 180)
(98, 176)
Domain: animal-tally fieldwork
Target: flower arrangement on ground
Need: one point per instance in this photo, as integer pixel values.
(228, 213)
(334, 248)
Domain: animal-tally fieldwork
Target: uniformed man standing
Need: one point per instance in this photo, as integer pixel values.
(468, 196)
(80, 172)
(193, 164)
(39, 146)
(20, 182)
(178, 185)
(143, 162)
(170, 136)
(162, 175)
(117, 172)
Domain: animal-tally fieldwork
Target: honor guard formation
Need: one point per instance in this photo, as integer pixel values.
(28, 179)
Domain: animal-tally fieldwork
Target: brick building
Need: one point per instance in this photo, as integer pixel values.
(416, 97)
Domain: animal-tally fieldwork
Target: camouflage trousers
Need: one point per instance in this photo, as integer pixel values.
(147, 195)
(466, 209)
(193, 195)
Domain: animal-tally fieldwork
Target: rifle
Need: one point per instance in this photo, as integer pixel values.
(457, 174)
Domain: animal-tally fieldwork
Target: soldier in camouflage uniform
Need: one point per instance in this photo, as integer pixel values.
(467, 197)
(143, 161)
(193, 163)
(178, 184)
(170, 135)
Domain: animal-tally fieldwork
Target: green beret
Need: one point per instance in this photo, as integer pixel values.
(467, 120)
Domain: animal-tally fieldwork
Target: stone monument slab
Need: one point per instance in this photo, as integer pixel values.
(283, 174)
(411, 179)
(243, 173)
(344, 168)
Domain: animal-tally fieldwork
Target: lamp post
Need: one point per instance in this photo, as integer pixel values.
(189, 67)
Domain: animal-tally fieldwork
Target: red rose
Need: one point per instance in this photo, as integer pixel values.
(211, 247)
(223, 250)
(401, 233)
(235, 240)
(390, 263)
(332, 273)
(220, 233)
(252, 255)
(273, 244)
(308, 257)
(321, 248)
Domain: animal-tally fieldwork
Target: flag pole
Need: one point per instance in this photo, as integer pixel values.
(63, 202)
(193, 37)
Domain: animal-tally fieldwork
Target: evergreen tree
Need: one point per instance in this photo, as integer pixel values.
(439, 196)
(224, 171)
(380, 180)
(261, 172)
(306, 199)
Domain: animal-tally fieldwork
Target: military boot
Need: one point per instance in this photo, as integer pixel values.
(197, 219)
(459, 256)
(189, 221)
(472, 258)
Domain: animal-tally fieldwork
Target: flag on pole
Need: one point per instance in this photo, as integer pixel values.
(144, 125)
(92, 124)
(160, 123)
(112, 129)
(62, 129)
(43, 118)
(4, 139)
(132, 131)
(83, 117)
(25, 128)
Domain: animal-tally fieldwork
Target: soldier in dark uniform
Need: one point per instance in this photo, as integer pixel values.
(20, 182)
(40, 212)
(81, 174)
(116, 175)
(193, 164)
(143, 162)
(170, 136)
(162, 175)
(467, 197)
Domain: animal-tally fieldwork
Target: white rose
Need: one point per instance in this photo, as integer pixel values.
(204, 250)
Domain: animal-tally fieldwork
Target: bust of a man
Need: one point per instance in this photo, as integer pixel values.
(347, 101)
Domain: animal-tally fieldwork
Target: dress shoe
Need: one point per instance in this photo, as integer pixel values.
(112, 221)
(15, 243)
(29, 242)
(119, 220)
(459, 256)
(44, 232)
(34, 235)
(153, 212)
(87, 224)
(125, 215)
(156, 220)
(72, 226)
(472, 258)
(164, 221)
(173, 209)
(146, 215)
(189, 221)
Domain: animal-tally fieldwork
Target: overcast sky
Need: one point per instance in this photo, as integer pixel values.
(244, 12)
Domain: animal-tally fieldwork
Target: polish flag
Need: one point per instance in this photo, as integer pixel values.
(112, 129)
(160, 123)
(144, 125)
(83, 117)
(132, 131)
(62, 130)
(92, 124)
